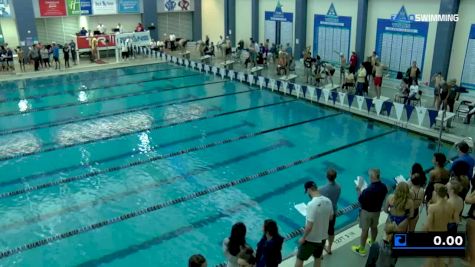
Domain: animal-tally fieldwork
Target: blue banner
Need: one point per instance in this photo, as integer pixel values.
(283, 17)
(129, 6)
(468, 72)
(400, 41)
(331, 36)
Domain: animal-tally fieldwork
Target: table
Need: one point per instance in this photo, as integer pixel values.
(447, 119)
(289, 78)
(206, 59)
(256, 71)
(228, 64)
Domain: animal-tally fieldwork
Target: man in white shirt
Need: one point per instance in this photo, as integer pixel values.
(101, 28)
(413, 92)
(319, 213)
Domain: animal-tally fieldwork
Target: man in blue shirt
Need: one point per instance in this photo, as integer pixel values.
(371, 200)
(83, 32)
(56, 56)
(464, 163)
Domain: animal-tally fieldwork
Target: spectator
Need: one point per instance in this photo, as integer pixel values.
(319, 213)
(288, 50)
(228, 47)
(380, 254)
(210, 50)
(44, 52)
(464, 157)
(361, 80)
(21, 57)
(35, 56)
(101, 28)
(413, 73)
(119, 28)
(197, 260)
(369, 71)
(66, 55)
(332, 191)
(349, 81)
(220, 45)
(57, 65)
(246, 258)
(207, 40)
(308, 63)
(72, 46)
(400, 207)
(378, 77)
(353, 62)
(83, 32)
(233, 244)
(452, 94)
(413, 93)
(418, 180)
(269, 247)
(371, 200)
(437, 80)
(342, 68)
(139, 28)
(470, 199)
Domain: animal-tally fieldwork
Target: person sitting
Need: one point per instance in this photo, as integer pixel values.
(210, 50)
(469, 115)
(413, 93)
(380, 254)
(349, 81)
(282, 64)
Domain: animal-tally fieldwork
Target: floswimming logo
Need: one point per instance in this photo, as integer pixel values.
(170, 5)
(184, 4)
(403, 16)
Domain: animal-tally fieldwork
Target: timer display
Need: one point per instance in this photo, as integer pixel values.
(425, 244)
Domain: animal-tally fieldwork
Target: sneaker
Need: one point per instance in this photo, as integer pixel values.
(369, 242)
(359, 250)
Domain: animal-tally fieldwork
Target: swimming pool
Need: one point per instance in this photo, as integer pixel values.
(148, 165)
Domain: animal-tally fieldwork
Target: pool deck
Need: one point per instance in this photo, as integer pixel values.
(342, 255)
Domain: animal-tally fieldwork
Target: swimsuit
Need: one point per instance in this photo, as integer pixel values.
(398, 219)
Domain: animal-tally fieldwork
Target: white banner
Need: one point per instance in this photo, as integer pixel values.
(193, 64)
(326, 94)
(360, 100)
(285, 86)
(104, 7)
(342, 97)
(187, 63)
(222, 72)
(180, 61)
(312, 93)
(261, 81)
(214, 70)
(421, 113)
(136, 38)
(272, 84)
(378, 104)
(200, 66)
(399, 108)
(298, 90)
(250, 79)
(231, 74)
(207, 68)
(241, 76)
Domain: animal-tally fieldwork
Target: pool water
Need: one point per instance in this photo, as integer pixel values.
(145, 166)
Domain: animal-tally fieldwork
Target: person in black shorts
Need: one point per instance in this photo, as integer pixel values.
(332, 191)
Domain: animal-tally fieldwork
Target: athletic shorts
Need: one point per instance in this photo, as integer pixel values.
(369, 219)
(56, 59)
(331, 225)
(378, 81)
(332, 72)
(308, 249)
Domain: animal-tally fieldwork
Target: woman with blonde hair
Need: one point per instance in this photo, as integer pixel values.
(400, 206)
